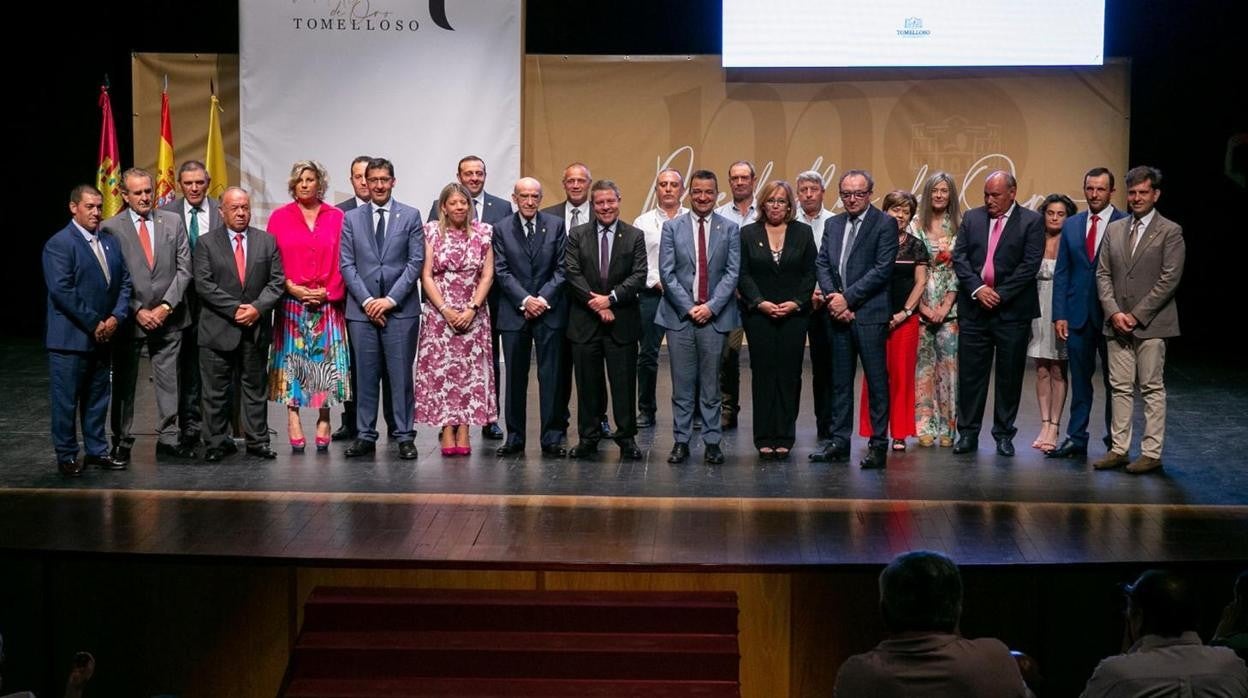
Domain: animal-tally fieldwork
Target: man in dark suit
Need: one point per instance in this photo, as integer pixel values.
(382, 250)
(488, 209)
(996, 256)
(347, 432)
(1077, 314)
(606, 270)
(158, 257)
(200, 213)
(528, 271)
(574, 210)
(854, 268)
(239, 280)
(88, 299)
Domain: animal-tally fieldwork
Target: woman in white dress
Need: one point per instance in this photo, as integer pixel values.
(1049, 351)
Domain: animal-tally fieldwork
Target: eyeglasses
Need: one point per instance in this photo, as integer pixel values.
(855, 194)
(777, 202)
(379, 180)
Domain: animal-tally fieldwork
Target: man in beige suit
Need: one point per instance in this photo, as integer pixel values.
(1141, 262)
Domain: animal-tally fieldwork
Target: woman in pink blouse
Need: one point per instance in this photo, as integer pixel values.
(309, 365)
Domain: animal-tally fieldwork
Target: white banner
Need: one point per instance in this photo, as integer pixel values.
(421, 83)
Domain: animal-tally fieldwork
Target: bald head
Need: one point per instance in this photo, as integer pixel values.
(999, 191)
(236, 208)
(528, 196)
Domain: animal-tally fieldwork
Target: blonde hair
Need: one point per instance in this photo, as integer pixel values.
(297, 169)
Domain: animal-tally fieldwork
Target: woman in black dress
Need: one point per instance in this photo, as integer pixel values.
(776, 283)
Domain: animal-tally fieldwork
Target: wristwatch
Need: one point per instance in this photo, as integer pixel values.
(474, 306)
(908, 311)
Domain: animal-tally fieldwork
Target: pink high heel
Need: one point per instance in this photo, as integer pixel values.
(322, 444)
(298, 445)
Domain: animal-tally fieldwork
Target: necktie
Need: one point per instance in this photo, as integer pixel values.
(703, 286)
(379, 233)
(240, 257)
(192, 232)
(1135, 235)
(576, 215)
(604, 255)
(849, 246)
(529, 236)
(476, 206)
(98, 249)
(146, 244)
(990, 271)
(1091, 241)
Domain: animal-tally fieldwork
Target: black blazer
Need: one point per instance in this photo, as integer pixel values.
(220, 293)
(1015, 263)
(521, 271)
(626, 276)
(762, 279)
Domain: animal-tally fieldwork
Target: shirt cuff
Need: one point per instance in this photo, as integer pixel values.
(368, 300)
(975, 293)
(524, 303)
(544, 302)
(613, 298)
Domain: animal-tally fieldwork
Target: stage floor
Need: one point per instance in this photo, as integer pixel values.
(535, 511)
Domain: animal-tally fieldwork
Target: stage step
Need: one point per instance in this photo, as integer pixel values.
(501, 688)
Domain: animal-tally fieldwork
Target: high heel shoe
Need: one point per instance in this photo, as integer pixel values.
(463, 450)
(322, 444)
(298, 445)
(450, 451)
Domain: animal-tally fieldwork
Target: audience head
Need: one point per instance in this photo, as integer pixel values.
(669, 187)
(940, 198)
(901, 205)
(776, 203)
(86, 205)
(1056, 208)
(606, 200)
(137, 191)
(193, 180)
(810, 191)
(455, 207)
(576, 181)
(359, 176)
(703, 192)
(1143, 189)
(1161, 603)
(308, 181)
(379, 173)
(236, 209)
(528, 196)
(999, 191)
(1098, 186)
(471, 173)
(855, 190)
(922, 591)
(741, 180)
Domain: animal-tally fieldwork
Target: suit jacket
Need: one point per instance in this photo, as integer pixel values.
(626, 277)
(1142, 284)
(560, 211)
(1075, 298)
(348, 205)
(168, 280)
(1015, 263)
(793, 279)
(78, 296)
(493, 209)
(177, 206)
(220, 292)
(521, 270)
(678, 250)
(869, 268)
(393, 271)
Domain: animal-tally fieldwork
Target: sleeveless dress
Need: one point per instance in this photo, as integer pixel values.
(1044, 342)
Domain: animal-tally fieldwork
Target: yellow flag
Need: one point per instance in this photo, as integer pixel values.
(214, 159)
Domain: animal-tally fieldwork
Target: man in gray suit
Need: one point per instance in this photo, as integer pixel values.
(382, 251)
(1138, 272)
(699, 260)
(158, 257)
(200, 213)
(239, 280)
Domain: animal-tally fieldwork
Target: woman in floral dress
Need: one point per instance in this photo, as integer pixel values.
(454, 376)
(936, 378)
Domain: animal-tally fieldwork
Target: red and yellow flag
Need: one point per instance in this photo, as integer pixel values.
(108, 176)
(165, 190)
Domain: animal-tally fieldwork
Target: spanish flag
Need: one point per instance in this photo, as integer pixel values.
(108, 176)
(165, 190)
(214, 159)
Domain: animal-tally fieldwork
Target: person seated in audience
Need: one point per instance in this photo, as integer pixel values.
(1162, 654)
(921, 602)
(1233, 628)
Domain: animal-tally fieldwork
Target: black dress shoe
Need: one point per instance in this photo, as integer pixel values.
(606, 428)
(178, 451)
(583, 450)
(214, 454)
(554, 450)
(877, 458)
(1005, 447)
(1068, 449)
(120, 454)
(69, 468)
(679, 454)
(343, 433)
(261, 452)
(510, 448)
(714, 455)
(645, 419)
(966, 444)
(407, 450)
(492, 431)
(629, 450)
(105, 462)
(834, 453)
(360, 447)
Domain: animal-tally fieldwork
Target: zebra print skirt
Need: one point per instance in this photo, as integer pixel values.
(310, 364)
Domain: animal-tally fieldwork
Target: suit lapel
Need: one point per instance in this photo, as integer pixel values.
(1150, 233)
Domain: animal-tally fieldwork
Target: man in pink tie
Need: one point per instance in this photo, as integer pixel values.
(996, 256)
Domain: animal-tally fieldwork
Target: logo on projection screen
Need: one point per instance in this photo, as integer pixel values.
(368, 16)
(913, 27)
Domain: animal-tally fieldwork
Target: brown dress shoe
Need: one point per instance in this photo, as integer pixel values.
(1110, 461)
(1144, 464)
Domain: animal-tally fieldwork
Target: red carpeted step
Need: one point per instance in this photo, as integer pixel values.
(519, 655)
(500, 688)
(345, 609)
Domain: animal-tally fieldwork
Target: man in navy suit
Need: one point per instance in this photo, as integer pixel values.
(699, 262)
(1077, 314)
(88, 299)
(382, 251)
(489, 209)
(996, 257)
(854, 267)
(528, 271)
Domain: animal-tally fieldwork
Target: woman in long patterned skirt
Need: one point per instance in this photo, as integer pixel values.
(309, 366)
(454, 364)
(936, 378)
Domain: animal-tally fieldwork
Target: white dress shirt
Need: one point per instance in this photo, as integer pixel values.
(651, 223)
(816, 224)
(729, 211)
(1101, 223)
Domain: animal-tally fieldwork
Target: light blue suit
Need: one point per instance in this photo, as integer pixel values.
(695, 350)
(393, 272)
